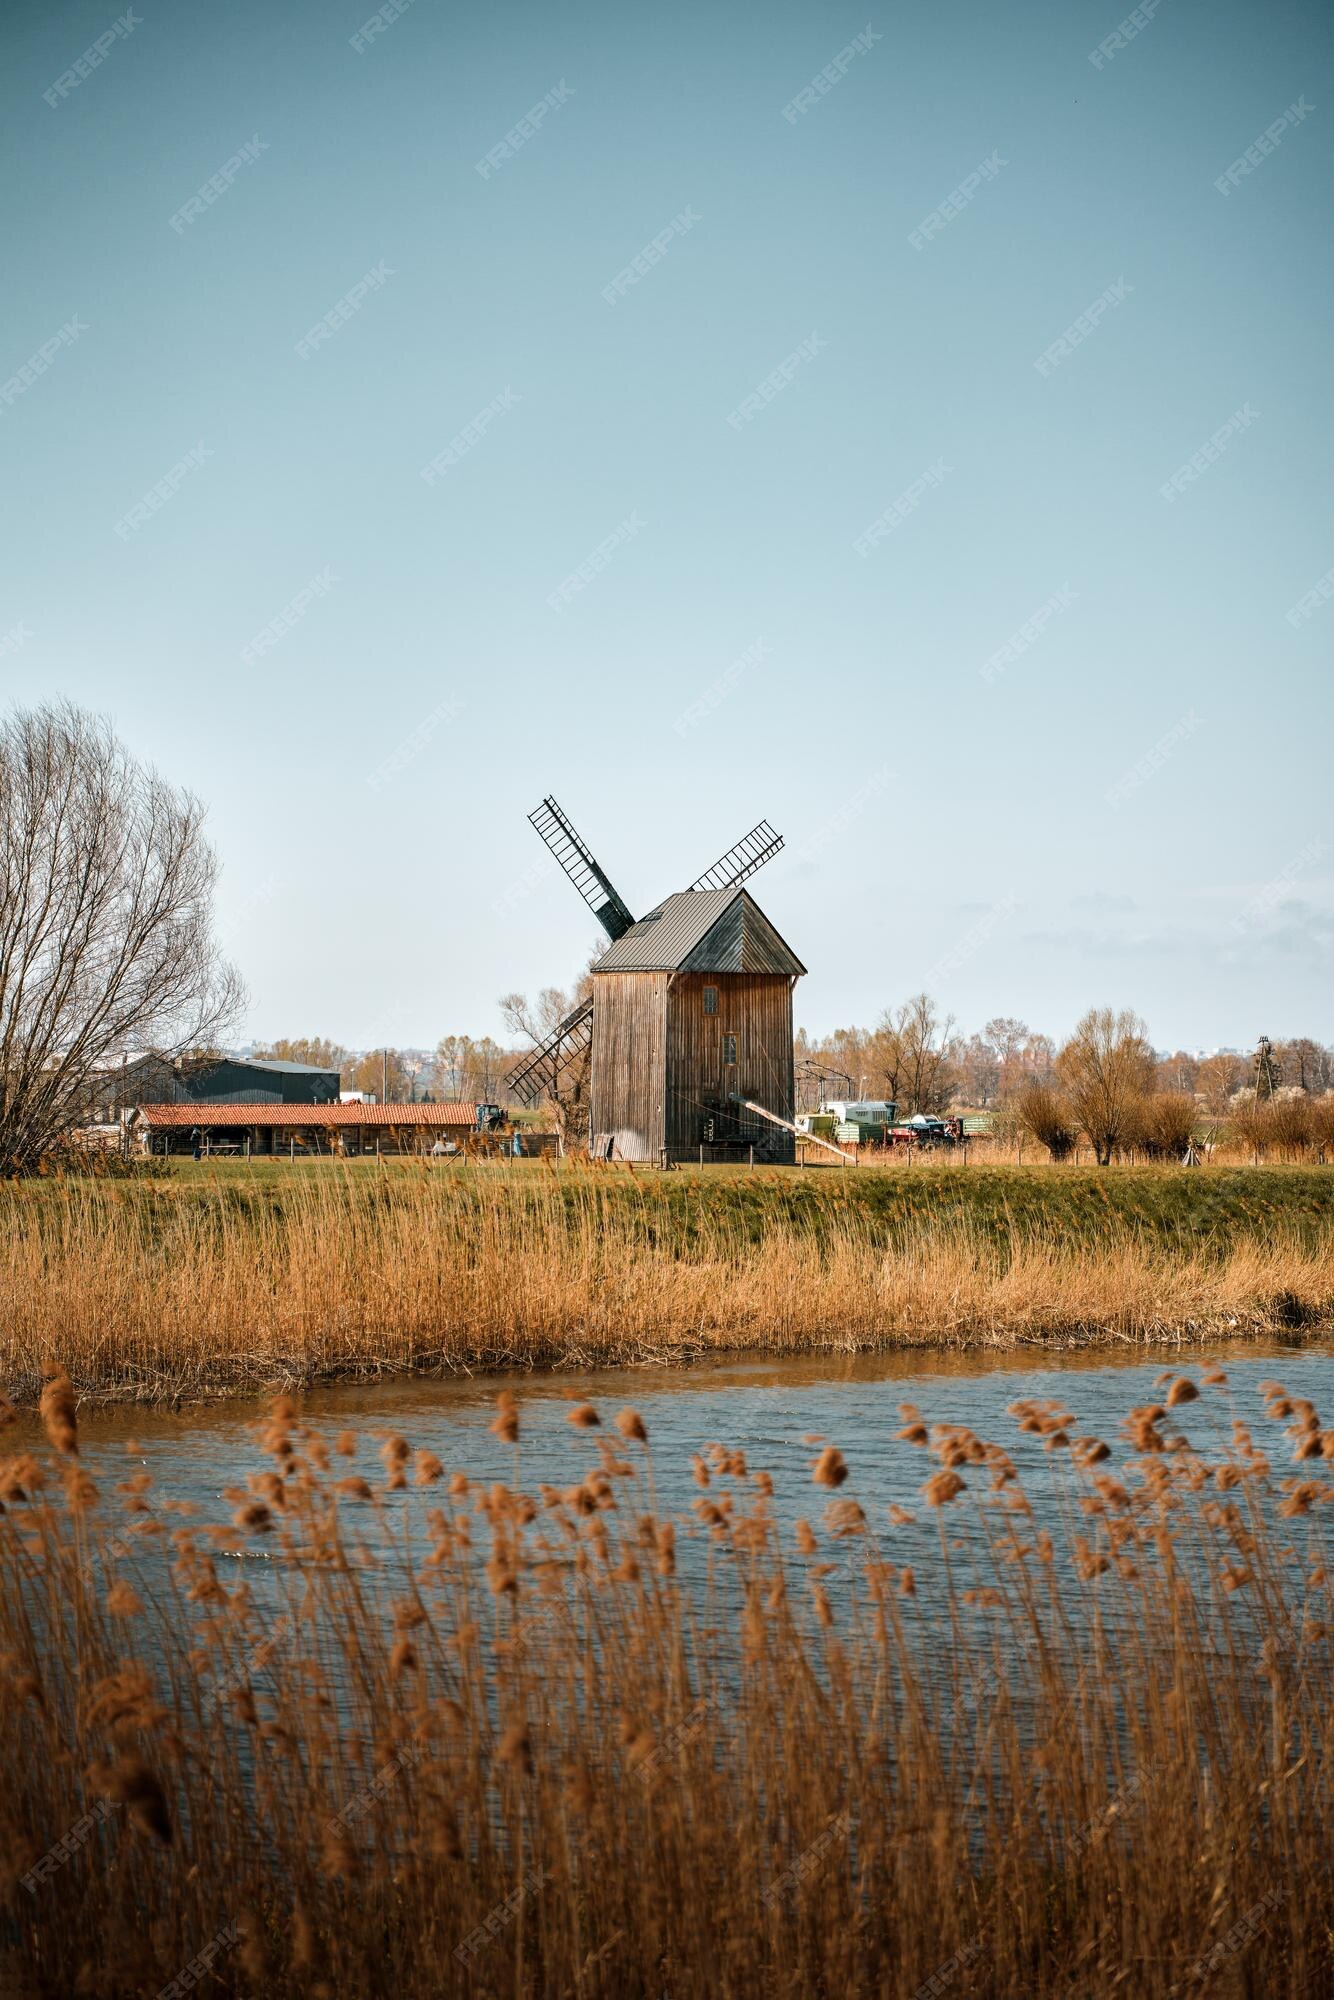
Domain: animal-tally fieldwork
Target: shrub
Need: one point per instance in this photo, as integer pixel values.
(1163, 1124)
(1284, 1125)
(1044, 1113)
(1322, 1124)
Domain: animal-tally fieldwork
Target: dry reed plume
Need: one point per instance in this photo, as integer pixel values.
(462, 1738)
(181, 1289)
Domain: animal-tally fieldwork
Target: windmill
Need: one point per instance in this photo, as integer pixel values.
(540, 1070)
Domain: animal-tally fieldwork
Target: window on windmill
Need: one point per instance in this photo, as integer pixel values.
(729, 1049)
(710, 999)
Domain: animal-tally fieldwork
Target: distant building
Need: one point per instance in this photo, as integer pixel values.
(346, 1130)
(155, 1079)
(252, 1080)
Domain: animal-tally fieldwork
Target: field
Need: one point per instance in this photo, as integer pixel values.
(456, 1737)
(221, 1277)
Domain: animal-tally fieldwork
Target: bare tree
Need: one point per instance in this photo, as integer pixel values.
(468, 1069)
(1037, 1058)
(106, 922)
(1178, 1073)
(920, 1055)
(379, 1073)
(979, 1071)
(1306, 1064)
(1216, 1078)
(568, 1091)
(1006, 1037)
(1106, 1067)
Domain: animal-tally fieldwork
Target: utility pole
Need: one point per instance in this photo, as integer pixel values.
(1266, 1070)
(384, 1076)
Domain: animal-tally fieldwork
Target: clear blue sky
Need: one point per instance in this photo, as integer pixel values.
(1131, 809)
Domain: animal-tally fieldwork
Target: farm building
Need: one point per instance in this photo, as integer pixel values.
(693, 1010)
(154, 1079)
(349, 1130)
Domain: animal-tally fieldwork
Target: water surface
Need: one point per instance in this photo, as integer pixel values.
(767, 1408)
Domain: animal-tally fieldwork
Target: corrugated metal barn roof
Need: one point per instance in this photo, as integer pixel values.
(702, 930)
(282, 1067)
(188, 1115)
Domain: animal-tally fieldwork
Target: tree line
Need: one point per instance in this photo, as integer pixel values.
(463, 1068)
(915, 1056)
(1105, 1083)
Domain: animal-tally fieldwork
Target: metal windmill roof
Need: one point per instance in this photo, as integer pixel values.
(676, 935)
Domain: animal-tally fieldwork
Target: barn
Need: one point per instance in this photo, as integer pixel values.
(157, 1079)
(692, 1009)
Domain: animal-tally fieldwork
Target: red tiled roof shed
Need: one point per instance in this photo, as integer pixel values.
(211, 1117)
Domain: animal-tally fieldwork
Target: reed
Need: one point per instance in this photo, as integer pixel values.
(459, 1737)
(198, 1284)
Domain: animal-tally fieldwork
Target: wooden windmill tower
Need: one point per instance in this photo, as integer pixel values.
(691, 1016)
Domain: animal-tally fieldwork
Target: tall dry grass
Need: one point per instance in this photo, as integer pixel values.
(181, 1288)
(455, 1737)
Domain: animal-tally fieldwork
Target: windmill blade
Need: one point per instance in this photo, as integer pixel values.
(541, 1069)
(751, 852)
(592, 882)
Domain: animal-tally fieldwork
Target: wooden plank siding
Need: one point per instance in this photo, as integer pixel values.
(757, 1009)
(658, 1071)
(626, 1085)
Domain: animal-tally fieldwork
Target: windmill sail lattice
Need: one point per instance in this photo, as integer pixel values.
(751, 852)
(592, 881)
(540, 1071)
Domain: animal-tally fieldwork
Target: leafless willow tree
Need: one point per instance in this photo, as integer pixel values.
(106, 922)
(1106, 1067)
(1045, 1114)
